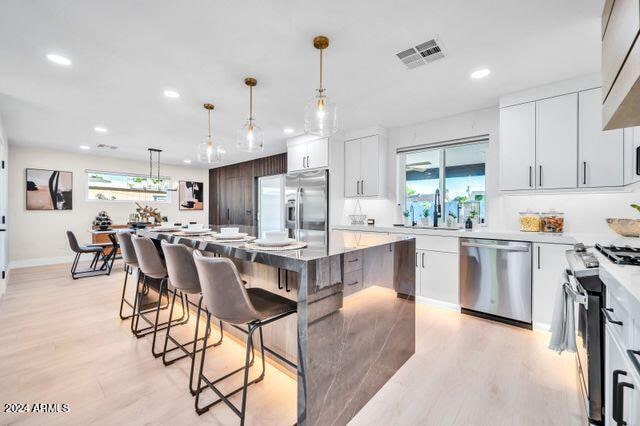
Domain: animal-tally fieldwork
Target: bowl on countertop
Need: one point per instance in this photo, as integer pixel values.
(625, 227)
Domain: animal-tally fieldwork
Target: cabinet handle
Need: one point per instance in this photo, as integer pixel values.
(538, 257)
(638, 161)
(279, 276)
(286, 281)
(620, 405)
(607, 316)
(362, 187)
(228, 214)
(530, 176)
(540, 169)
(584, 172)
(416, 259)
(423, 259)
(353, 283)
(614, 396)
(352, 260)
(358, 187)
(307, 161)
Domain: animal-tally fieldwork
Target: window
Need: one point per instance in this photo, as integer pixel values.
(457, 171)
(112, 186)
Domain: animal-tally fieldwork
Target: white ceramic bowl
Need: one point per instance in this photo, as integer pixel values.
(229, 230)
(276, 235)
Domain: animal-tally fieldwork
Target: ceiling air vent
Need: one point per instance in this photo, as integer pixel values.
(105, 146)
(421, 54)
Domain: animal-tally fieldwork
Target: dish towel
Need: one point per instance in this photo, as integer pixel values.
(563, 323)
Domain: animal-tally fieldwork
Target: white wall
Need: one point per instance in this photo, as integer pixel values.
(38, 237)
(585, 211)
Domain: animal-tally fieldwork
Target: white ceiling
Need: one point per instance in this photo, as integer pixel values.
(125, 53)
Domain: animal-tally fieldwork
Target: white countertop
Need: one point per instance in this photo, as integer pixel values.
(489, 233)
(628, 276)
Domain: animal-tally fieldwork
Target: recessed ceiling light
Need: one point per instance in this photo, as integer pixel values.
(100, 129)
(85, 147)
(59, 59)
(171, 94)
(288, 130)
(481, 73)
(186, 161)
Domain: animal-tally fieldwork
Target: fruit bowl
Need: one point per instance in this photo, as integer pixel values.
(625, 227)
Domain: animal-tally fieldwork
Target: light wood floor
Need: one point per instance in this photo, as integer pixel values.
(61, 341)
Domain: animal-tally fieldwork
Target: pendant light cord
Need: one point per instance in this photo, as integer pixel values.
(250, 103)
(321, 89)
(209, 123)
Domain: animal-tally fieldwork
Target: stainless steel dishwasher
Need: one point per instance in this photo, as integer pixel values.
(495, 280)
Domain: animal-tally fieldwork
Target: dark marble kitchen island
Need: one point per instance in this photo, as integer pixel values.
(355, 323)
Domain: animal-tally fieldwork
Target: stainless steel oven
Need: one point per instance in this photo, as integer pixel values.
(589, 301)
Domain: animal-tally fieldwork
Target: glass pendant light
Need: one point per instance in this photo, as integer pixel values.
(250, 137)
(209, 152)
(320, 114)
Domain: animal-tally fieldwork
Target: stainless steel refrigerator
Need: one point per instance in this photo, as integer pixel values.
(306, 207)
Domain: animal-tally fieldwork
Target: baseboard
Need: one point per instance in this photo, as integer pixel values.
(438, 303)
(540, 326)
(40, 261)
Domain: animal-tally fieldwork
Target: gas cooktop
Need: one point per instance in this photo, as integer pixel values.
(620, 255)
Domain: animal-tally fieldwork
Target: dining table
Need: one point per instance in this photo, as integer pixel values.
(111, 233)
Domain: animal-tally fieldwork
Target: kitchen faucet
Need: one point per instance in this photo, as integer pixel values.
(437, 210)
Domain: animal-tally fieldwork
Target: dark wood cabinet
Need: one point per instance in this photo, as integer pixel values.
(232, 195)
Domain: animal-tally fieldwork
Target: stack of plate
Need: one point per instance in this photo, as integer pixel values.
(229, 236)
(275, 239)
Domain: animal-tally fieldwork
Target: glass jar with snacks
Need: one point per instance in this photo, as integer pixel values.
(552, 221)
(530, 221)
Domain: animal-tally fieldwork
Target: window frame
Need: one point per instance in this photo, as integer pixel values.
(89, 172)
(442, 146)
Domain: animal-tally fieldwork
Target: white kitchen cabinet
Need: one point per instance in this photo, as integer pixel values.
(549, 260)
(305, 153)
(438, 277)
(631, 155)
(364, 160)
(351, 172)
(517, 146)
(600, 153)
(618, 371)
(557, 142)
(318, 153)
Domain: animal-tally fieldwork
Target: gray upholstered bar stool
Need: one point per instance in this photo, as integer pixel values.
(130, 264)
(152, 266)
(226, 298)
(183, 278)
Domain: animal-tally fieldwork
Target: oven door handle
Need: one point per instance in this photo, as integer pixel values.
(607, 316)
(614, 397)
(634, 359)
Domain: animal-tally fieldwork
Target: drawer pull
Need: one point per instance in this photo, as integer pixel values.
(353, 283)
(353, 260)
(607, 316)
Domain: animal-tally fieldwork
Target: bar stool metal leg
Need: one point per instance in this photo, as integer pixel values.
(246, 383)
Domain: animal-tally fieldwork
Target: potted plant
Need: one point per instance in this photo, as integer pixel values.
(451, 219)
(407, 221)
(473, 215)
(426, 212)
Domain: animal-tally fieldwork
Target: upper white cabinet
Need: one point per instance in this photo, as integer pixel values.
(557, 142)
(600, 153)
(364, 166)
(306, 152)
(517, 146)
